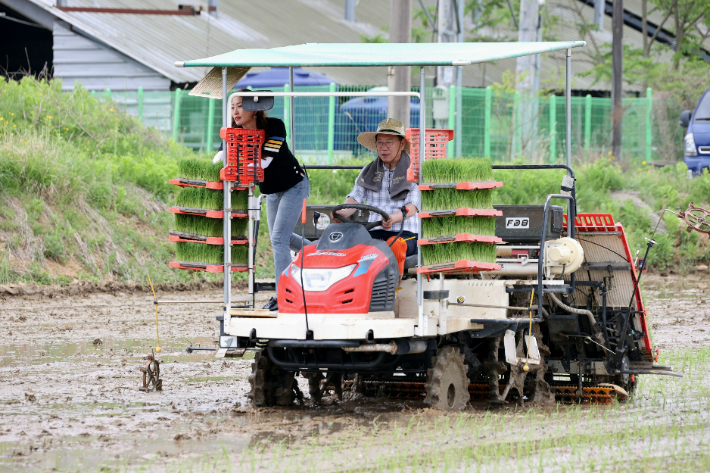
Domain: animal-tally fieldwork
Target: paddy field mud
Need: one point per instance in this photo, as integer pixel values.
(69, 401)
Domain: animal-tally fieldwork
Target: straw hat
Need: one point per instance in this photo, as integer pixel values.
(388, 126)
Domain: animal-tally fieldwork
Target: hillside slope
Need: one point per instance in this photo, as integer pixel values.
(83, 189)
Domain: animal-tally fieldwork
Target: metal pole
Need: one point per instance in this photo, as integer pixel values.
(422, 129)
(176, 114)
(458, 138)
(140, 103)
(292, 110)
(227, 201)
(331, 122)
(210, 124)
(487, 124)
(568, 107)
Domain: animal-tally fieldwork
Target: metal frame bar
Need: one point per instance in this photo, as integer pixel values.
(423, 318)
(568, 107)
(541, 257)
(268, 93)
(227, 205)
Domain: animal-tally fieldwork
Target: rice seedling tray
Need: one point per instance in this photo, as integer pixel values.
(192, 238)
(463, 266)
(462, 186)
(207, 213)
(217, 186)
(465, 212)
(460, 238)
(210, 268)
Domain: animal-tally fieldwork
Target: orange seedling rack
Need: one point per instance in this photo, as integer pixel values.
(205, 212)
(243, 155)
(463, 266)
(192, 238)
(210, 268)
(461, 237)
(434, 148)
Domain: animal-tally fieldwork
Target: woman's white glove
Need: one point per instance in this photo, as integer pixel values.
(218, 157)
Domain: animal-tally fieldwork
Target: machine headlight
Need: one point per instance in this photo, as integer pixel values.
(690, 149)
(320, 279)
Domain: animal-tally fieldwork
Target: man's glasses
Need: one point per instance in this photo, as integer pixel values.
(387, 144)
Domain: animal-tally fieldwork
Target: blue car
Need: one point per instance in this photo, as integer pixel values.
(696, 150)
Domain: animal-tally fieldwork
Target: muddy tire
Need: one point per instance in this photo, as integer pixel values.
(447, 381)
(269, 384)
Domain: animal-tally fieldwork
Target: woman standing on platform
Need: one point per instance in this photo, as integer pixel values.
(285, 184)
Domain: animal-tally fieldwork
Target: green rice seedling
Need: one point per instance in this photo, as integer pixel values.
(457, 170)
(199, 169)
(450, 252)
(442, 199)
(201, 198)
(211, 227)
(212, 254)
(440, 226)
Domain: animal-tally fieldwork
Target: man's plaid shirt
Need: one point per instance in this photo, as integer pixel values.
(383, 201)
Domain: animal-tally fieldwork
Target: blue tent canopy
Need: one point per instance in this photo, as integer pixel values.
(278, 76)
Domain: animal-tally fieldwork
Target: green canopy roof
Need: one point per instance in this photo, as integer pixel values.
(378, 54)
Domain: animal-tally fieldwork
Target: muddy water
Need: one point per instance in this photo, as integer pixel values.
(69, 378)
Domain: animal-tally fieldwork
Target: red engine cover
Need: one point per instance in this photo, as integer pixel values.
(350, 295)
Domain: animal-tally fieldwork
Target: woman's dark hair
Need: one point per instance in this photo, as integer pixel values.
(261, 122)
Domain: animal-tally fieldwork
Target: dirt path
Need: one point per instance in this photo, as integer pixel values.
(69, 377)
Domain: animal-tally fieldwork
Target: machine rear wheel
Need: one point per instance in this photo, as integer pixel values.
(447, 381)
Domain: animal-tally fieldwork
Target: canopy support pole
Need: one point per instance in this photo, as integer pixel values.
(423, 319)
(227, 205)
(568, 107)
(292, 131)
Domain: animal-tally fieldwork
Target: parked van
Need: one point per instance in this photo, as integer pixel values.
(696, 150)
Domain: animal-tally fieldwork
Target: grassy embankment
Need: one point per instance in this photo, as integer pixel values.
(83, 189)
(84, 194)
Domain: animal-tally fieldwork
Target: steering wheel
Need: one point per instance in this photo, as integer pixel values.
(367, 225)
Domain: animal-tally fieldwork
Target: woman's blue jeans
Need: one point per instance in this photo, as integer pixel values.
(282, 212)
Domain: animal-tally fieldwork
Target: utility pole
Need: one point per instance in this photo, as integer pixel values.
(458, 139)
(526, 69)
(617, 77)
(447, 32)
(599, 6)
(399, 79)
(350, 10)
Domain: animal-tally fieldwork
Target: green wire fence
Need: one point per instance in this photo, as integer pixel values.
(491, 126)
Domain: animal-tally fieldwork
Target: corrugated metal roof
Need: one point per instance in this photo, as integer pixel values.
(157, 41)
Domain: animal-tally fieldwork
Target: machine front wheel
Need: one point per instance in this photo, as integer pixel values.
(269, 384)
(447, 381)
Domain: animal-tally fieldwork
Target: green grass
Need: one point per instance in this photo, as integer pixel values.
(440, 226)
(200, 169)
(201, 198)
(457, 170)
(443, 199)
(450, 252)
(211, 227)
(213, 254)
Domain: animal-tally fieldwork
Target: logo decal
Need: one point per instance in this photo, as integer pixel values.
(335, 236)
(517, 223)
(327, 253)
(460, 299)
(369, 257)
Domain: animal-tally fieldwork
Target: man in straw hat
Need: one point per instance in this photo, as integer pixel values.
(383, 184)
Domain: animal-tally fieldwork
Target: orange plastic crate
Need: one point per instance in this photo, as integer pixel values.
(243, 155)
(434, 148)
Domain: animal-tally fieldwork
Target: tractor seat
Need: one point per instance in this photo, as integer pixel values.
(410, 262)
